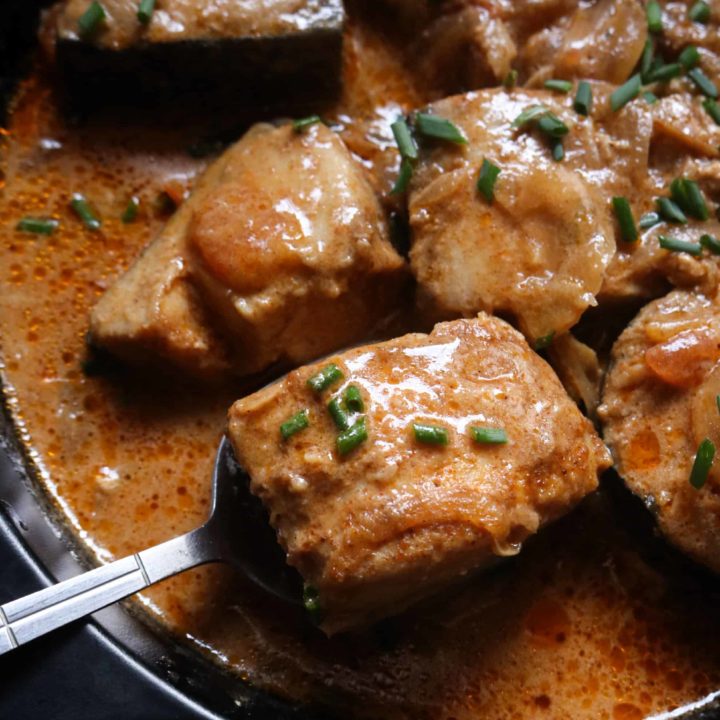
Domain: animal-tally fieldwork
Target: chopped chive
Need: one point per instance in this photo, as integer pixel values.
(91, 19)
(529, 114)
(670, 211)
(488, 435)
(650, 97)
(403, 178)
(83, 210)
(439, 128)
(710, 243)
(625, 93)
(697, 207)
(552, 125)
(703, 83)
(583, 98)
(717, 402)
(563, 86)
(702, 463)
(430, 434)
(675, 245)
(623, 213)
(301, 123)
(38, 226)
(353, 399)
(295, 424)
(557, 149)
(646, 59)
(679, 195)
(712, 109)
(544, 342)
(405, 141)
(665, 72)
(699, 12)
(338, 414)
(689, 57)
(311, 602)
(649, 220)
(326, 377)
(131, 210)
(486, 181)
(145, 11)
(510, 80)
(355, 435)
(654, 16)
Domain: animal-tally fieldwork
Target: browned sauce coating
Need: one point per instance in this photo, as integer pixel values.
(584, 624)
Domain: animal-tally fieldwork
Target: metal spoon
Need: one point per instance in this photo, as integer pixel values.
(237, 532)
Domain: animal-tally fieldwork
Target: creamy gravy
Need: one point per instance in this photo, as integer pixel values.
(580, 625)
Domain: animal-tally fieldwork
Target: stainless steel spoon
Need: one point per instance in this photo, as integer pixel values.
(237, 532)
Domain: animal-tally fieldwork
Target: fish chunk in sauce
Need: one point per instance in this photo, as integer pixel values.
(658, 405)
(283, 233)
(376, 528)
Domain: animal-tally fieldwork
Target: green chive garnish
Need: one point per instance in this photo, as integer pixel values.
(670, 211)
(689, 57)
(486, 181)
(625, 93)
(510, 80)
(301, 123)
(326, 377)
(338, 414)
(403, 178)
(405, 141)
(649, 220)
(712, 109)
(295, 424)
(38, 226)
(355, 435)
(488, 436)
(131, 211)
(439, 128)
(552, 125)
(145, 11)
(710, 243)
(529, 115)
(703, 83)
(90, 20)
(702, 463)
(544, 342)
(557, 149)
(676, 245)
(665, 72)
(353, 399)
(649, 97)
(654, 16)
(697, 207)
(430, 434)
(583, 98)
(646, 59)
(311, 602)
(717, 402)
(699, 12)
(563, 86)
(83, 210)
(623, 213)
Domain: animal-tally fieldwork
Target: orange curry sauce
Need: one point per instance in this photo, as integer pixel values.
(585, 623)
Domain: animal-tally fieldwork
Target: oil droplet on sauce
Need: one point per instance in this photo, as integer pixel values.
(548, 622)
(643, 451)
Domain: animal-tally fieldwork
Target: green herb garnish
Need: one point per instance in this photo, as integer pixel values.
(403, 178)
(131, 210)
(430, 434)
(670, 211)
(650, 97)
(544, 342)
(530, 114)
(653, 13)
(699, 12)
(145, 11)
(351, 438)
(405, 141)
(295, 424)
(675, 245)
(583, 98)
(439, 128)
(301, 123)
(326, 377)
(647, 58)
(712, 109)
(90, 21)
(625, 93)
(703, 83)
(689, 57)
(488, 436)
(623, 213)
(665, 72)
(702, 463)
(649, 220)
(557, 150)
(338, 414)
(563, 86)
(510, 80)
(82, 209)
(710, 243)
(487, 178)
(353, 399)
(37, 226)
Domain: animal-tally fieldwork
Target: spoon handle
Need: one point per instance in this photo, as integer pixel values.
(40, 612)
